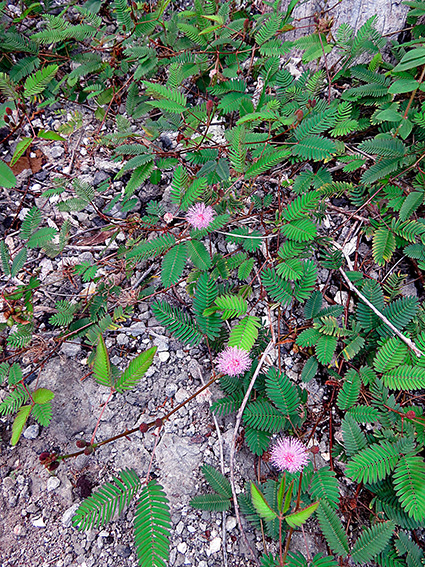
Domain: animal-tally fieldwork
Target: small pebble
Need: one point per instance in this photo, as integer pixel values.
(163, 356)
(230, 523)
(215, 545)
(182, 547)
(53, 483)
(38, 523)
(32, 431)
(57, 152)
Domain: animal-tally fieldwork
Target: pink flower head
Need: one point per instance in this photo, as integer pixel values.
(233, 361)
(200, 215)
(289, 454)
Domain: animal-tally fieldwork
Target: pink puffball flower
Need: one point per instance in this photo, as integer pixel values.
(200, 215)
(233, 361)
(289, 454)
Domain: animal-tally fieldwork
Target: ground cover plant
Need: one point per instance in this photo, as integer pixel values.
(203, 102)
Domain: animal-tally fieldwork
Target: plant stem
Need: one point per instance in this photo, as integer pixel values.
(151, 424)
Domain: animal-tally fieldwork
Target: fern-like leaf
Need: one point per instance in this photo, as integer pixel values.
(177, 322)
(152, 526)
(244, 334)
(135, 370)
(350, 391)
(354, 438)
(282, 392)
(279, 289)
(332, 529)
(409, 483)
(372, 542)
(211, 502)
(324, 486)
(173, 265)
(112, 497)
(262, 415)
(374, 463)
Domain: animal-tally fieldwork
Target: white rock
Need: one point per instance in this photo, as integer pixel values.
(32, 431)
(53, 483)
(181, 395)
(70, 349)
(163, 356)
(67, 516)
(138, 328)
(122, 339)
(38, 523)
(182, 547)
(215, 545)
(230, 523)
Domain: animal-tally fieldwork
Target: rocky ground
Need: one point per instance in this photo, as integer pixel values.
(36, 507)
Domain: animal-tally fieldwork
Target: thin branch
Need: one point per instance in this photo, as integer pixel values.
(233, 447)
(399, 334)
(220, 444)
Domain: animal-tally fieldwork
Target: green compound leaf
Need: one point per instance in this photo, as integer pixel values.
(152, 527)
(257, 441)
(135, 370)
(276, 287)
(260, 414)
(232, 306)
(211, 502)
(309, 370)
(383, 246)
(173, 265)
(372, 542)
(217, 481)
(102, 366)
(19, 423)
(301, 516)
(112, 497)
(332, 529)
(36, 83)
(354, 438)
(374, 463)
(350, 391)
(199, 254)
(244, 334)
(177, 322)
(261, 504)
(43, 413)
(316, 148)
(409, 483)
(324, 486)
(325, 348)
(282, 392)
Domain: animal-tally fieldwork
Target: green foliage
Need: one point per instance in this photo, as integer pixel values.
(409, 479)
(350, 391)
(332, 529)
(173, 265)
(178, 322)
(244, 334)
(113, 497)
(374, 463)
(324, 487)
(273, 162)
(282, 392)
(214, 502)
(152, 526)
(372, 542)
